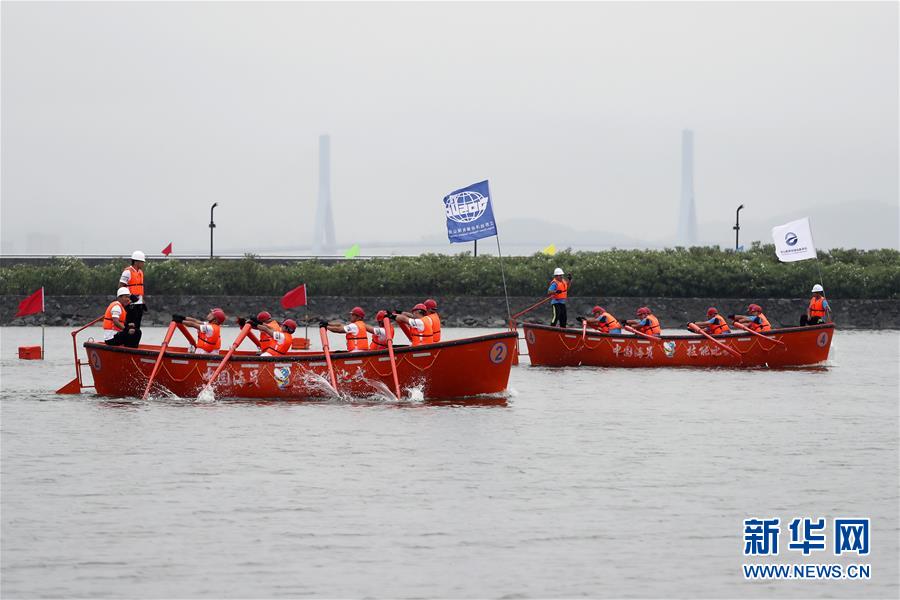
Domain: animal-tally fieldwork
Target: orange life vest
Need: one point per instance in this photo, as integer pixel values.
(653, 328)
(282, 348)
(379, 343)
(109, 322)
(358, 340)
(605, 326)
(435, 327)
(266, 341)
(136, 281)
(817, 306)
(720, 326)
(213, 342)
(562, 289)
(421, 337)
(763, 325)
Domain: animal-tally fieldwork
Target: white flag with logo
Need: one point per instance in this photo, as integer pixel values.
(794, 241)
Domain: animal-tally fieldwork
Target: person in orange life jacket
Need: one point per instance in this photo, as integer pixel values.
(133, 278)
(715, 324)
(266, 341)
(432, 315)
(818, 310)
(380, 335)
(602, 321)
(117, 329)
(419, 326)
(283, 337)
(646, 322)
(355, 328)
(558, 292)
(754, 319)
(209, 332)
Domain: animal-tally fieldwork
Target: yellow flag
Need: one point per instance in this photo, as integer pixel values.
(549, 250)
(353, 251)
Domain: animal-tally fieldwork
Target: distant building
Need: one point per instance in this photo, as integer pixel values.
(323, 232)
(687, 218)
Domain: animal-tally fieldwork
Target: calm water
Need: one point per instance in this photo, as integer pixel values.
(601, 483)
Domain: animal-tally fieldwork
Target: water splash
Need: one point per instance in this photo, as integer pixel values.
(382, 391)
(322, 384)
(416, 393)
(206, 395)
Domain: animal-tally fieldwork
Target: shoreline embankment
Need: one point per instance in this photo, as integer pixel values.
(456, 311)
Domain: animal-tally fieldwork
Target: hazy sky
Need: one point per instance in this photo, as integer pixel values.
(123, 122)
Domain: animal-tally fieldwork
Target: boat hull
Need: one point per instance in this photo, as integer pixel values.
(556, 347)
(453, 369)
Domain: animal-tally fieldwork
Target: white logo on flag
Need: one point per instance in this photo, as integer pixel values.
(794, 241)
(465, 207)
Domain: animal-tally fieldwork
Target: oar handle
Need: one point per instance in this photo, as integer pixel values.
(162, 350)
(532, 307)
(697, 329)
(758, 334)
(640, 333)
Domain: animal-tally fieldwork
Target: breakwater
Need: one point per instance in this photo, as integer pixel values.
(457, 311)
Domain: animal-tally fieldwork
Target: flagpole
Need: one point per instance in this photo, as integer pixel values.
(813, 241)
(500, 256)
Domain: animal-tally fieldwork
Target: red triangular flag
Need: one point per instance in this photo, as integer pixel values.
(33, 304)
(294, 298)
(167, 250)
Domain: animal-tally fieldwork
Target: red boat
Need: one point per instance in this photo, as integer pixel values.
(788, 347)
(451, 369)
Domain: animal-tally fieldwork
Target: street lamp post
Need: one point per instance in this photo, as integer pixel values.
(737, 228)
(212, 225)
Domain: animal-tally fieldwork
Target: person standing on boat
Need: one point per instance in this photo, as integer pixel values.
(754, 319)
(117, 330)
(558, 292)
(283, 337)
(432, 316)
(715, 323)
(209, 332)
(646, 323)
(818, 310)
(419, 327)
(380, 335)
(133, 278)
(266, 341)
(355, 328)
(602, 321)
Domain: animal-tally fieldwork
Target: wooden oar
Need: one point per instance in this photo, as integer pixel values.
(323, 333)
(756, 333)
(187, 334)
(237, 342)
(531, 308)
(162, 350)
(696, 329)
(640, 333)
(390, 345)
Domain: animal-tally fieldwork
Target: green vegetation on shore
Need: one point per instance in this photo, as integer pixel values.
(674, 273)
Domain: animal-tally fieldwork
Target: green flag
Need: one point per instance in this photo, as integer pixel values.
(353, 251)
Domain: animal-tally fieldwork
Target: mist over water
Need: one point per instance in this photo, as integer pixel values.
(594, 482)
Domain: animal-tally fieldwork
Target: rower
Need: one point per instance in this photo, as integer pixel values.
(419, 327)
(266, 341)
(117, 330)
(818, 310)
(558, 292)
(602, 321)
(133, 278)
(357, 338)
(646, 323)
(380, 335)
(209, 332)
(715, 323)
(283, 337)
(754, 319)
(432, 315)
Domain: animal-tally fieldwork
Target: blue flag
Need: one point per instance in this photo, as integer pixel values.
(469, 213)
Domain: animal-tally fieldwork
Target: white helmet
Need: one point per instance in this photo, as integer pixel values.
(138, 255)
(558, 271)
(818, 288)
(123, 291)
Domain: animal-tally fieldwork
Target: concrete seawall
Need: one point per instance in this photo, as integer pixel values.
(461, 311)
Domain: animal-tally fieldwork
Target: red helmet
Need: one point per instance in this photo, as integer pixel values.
(711, 311)
(643, 311)
(421, 307)
(754, 308)
(290, 325)
(430, 304)
(380, 315)
(219, 315)
(358, 311)
(264, 317)
(598, 309)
